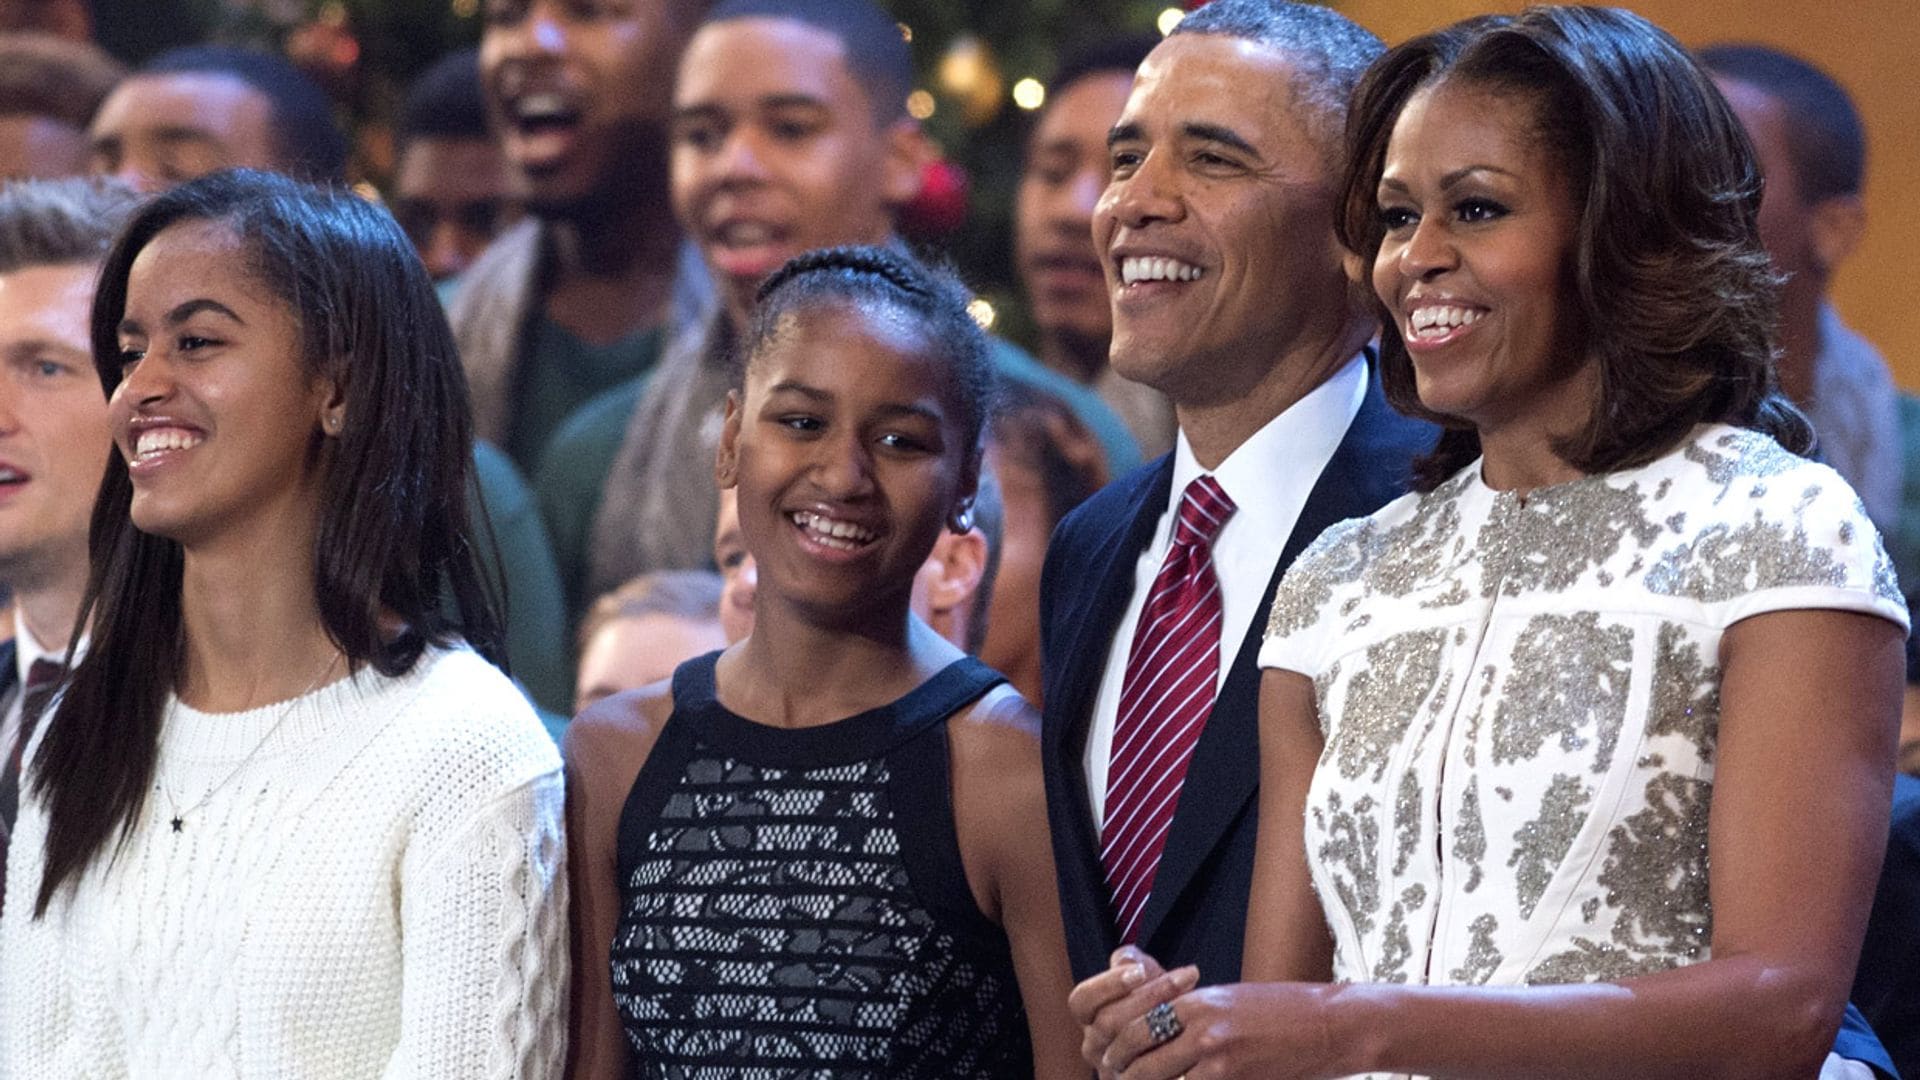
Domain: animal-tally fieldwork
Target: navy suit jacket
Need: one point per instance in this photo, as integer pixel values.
(1197, 911)
(1887, 987)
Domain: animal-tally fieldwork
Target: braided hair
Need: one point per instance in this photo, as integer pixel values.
(932, 299)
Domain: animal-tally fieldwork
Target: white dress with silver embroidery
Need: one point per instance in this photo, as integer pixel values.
(1520, 703)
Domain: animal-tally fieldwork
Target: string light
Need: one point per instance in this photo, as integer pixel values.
(1029, 94)
(920, 105)
(906, 32)
(982, 313)
(1169, 19)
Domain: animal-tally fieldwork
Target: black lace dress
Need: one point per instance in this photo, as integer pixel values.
(793, 902)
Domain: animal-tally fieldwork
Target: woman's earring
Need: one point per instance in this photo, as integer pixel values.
(333, 424)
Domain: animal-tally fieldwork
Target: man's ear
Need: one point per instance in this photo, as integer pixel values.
(963, 562)
(908, 150)
(726, 460)
(1835, 227)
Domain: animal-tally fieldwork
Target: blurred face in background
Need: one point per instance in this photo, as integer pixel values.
(632, 652)
(1064, 174)
(453, 196)
(40, 147)
(579, 91)
(156, 131)
(776, 151)
(54, 438)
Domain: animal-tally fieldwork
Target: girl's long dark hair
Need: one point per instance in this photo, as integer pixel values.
(393, 537)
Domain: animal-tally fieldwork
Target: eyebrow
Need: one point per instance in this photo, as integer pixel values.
(816, 394)
(36, 347)
(172, 135)
(710, 111)
(1450, 179)
(1196, 129)
(187, 310)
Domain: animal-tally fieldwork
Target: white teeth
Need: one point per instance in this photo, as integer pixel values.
(8, 476)
(159, 440)
(542, 106)
(1135, 268)
(844, 535)
(1436, 319)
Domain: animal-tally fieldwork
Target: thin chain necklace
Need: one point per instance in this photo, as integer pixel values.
(178, 817)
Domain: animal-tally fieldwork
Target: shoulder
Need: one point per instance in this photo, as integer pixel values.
(994, 745)
(615, 735)
(506, 264)
(465, 732)
(1001, 727)
(1114, 504)
(1748, 517)
(1339, 558)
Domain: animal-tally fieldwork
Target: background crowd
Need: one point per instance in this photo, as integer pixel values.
(612, 205)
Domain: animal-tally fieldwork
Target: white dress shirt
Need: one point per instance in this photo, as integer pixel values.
(26, 650)
(1268, 477)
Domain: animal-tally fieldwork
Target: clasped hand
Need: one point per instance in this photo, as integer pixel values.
(1266, 1030)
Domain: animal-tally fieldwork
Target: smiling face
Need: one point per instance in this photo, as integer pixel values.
(776, 151)
(53, 424)
(1217, 224)
(216, 415)
(1473, 269)
(579, 90)
(1065, 172)
(156, 131)
(847, 459)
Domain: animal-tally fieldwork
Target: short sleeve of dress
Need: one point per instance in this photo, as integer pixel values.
(1302, 621)
(1795, 539)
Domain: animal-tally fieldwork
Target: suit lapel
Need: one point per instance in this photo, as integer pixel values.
(1364, 473)
(1109, 553)
(1110, 563)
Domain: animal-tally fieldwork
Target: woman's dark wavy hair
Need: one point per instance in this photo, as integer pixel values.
(1668, 281)
(933, 298)
(393, 499)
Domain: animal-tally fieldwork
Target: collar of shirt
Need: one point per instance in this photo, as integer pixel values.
(1268, 477)
(27, 648)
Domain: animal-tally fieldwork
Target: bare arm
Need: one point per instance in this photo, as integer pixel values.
(1287, 935)
(604, 749)
(1000, 811)
(1810, 701)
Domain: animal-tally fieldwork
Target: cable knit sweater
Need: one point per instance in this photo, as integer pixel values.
(378, 892)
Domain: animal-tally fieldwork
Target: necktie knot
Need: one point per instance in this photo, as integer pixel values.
(1204, 509)
(44, 674)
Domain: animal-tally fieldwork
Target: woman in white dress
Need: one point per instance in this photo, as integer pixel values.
(1575, 762)
(285, 821)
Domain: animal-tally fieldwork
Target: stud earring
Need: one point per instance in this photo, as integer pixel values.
(333, 425)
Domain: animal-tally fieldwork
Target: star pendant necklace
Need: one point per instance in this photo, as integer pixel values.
(177, 819)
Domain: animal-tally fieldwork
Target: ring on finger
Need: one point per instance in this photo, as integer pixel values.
(1162, 1024)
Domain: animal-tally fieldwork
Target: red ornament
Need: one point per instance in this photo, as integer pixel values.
(940, 208)
(1194, 5)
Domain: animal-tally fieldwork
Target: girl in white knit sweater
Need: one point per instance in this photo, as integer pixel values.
(284, 823)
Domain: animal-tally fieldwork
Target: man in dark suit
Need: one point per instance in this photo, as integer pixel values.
(53, 437)
(1229, 296)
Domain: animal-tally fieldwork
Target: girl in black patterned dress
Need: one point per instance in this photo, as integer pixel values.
(823, 852)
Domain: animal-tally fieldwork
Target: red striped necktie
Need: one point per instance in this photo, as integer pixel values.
(1168, 689)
